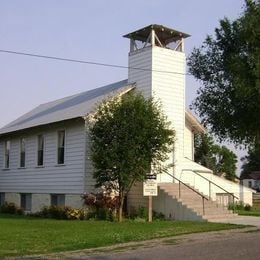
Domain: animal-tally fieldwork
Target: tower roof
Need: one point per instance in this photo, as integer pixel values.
(166, 35)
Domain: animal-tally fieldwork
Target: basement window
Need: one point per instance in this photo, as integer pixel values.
(2, 199)
(58, 200)
(26, 201)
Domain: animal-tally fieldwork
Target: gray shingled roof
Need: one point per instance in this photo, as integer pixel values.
(70, 107)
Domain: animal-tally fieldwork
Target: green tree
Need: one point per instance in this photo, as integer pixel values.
(228, 66)
(204, 151)
(252, 160)
(226, 163)
(217, 158)
(129, 137)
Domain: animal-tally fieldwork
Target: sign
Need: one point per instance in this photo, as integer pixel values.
(150, 176)
(150, 188)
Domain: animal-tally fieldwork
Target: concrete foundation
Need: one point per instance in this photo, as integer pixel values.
(41, 200)
(73, 201)
(13, 198)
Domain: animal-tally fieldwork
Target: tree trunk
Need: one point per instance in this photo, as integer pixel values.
(121, 203)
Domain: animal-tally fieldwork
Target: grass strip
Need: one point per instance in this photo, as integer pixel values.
(253, 213)
(24, 236)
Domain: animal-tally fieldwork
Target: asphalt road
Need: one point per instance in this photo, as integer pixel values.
(244, 246)
(238, 244)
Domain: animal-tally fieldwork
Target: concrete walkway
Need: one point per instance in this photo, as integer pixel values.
(243, 220)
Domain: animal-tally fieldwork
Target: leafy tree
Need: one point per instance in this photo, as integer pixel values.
(226, 163)
(204, 150)
(252, 160)
(129, 137)
(217, 158)
(228, 66)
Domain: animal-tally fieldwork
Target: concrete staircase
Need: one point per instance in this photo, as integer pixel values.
(193, 202)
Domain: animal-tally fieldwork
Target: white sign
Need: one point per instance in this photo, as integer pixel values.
(150, 188)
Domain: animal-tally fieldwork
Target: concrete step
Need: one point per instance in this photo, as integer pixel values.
(208, 204)
(193, 201)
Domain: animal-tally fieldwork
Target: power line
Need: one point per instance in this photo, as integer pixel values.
(89, 62)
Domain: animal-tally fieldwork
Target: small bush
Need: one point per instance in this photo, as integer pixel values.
(240, 206)
(236, 206)
(248, 207)
(142, 213)
(11, 208)
(158, 216)
(100, 206)
(58, 212)
(75, 213)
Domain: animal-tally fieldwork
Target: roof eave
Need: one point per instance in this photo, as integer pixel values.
(196, 125)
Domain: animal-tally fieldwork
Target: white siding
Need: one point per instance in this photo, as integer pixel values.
(89, 180)
(169, 88)
(51, 178)
(188, 142)
(143, 78)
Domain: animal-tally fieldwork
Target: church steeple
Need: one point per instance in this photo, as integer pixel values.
(157, 66)
(158, 35)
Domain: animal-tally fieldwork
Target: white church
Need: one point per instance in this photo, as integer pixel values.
(44, 154)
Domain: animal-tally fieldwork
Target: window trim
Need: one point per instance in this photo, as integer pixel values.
(57, 147)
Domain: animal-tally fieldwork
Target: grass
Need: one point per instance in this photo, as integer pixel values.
(24, 235)
(253, 212)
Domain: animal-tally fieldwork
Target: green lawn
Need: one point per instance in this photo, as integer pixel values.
(254, 213)
(24, 235)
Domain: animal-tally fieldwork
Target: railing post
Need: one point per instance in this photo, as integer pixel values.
(179, 189)
(233, 203)
(209, 189)
(203, 205)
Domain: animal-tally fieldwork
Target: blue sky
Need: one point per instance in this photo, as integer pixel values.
(87, 30)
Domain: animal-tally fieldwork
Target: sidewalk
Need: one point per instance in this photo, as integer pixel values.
(243, 220)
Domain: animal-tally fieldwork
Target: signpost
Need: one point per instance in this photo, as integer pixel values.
(150, 189)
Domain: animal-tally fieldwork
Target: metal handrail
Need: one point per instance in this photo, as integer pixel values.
(180, 182)
(211, 182)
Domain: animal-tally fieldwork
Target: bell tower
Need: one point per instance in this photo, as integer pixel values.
(157, 65)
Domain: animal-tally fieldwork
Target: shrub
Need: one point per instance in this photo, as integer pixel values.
(75, 213)
(239, 206)
(11, 208)
(59, 212)
(248, 207)
(236, 206)
(100, 206)
(142, 214)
